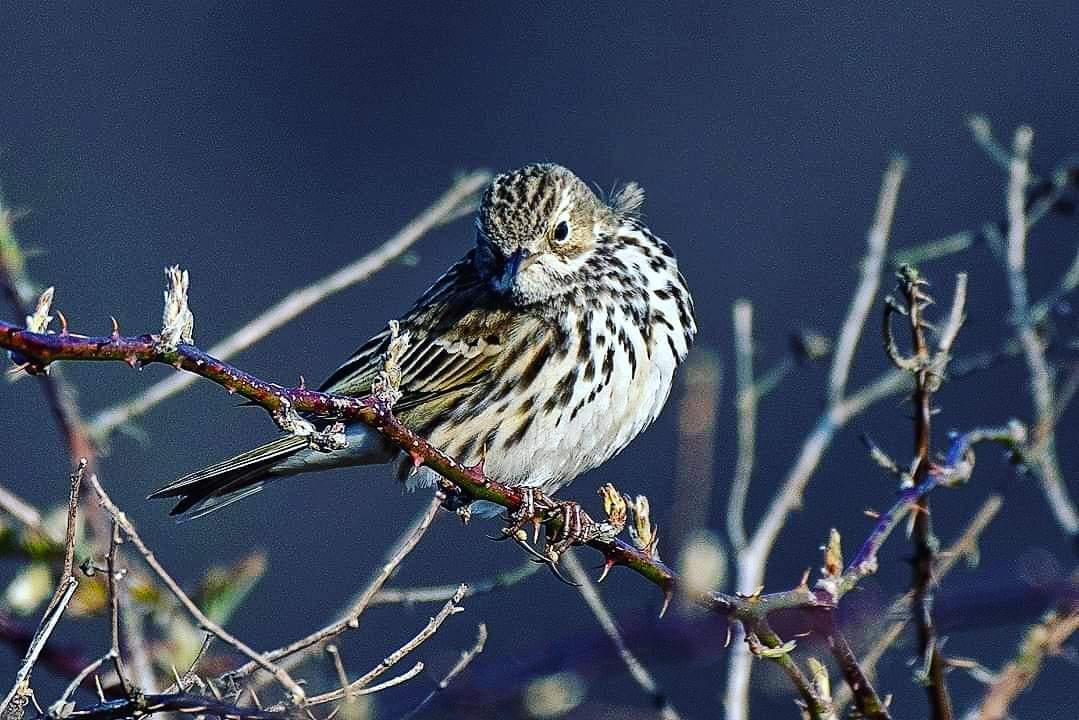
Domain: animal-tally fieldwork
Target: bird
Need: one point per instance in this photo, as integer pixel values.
(543, 352)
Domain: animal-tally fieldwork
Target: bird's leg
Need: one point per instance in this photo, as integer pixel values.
(577, 527)
(526, 513)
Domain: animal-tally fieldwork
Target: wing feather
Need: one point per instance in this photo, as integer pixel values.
(456, 334)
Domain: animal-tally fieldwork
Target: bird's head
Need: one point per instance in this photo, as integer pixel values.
(536, 228)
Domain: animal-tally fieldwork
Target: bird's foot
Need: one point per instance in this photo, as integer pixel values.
(576, 527)
(567, 525)
(532, 509)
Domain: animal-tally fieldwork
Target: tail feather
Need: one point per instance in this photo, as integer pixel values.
(223, 483)
(230, 480)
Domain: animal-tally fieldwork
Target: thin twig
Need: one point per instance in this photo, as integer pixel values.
(20, 691)
(869, 281)
(1042, 453)
(112, 580)
(351, 617)
(360, 685)
(442, 593)
(69, 533)
(457, 200)
(467, 656)
(78, 680)
(204, 622)
(637, 671)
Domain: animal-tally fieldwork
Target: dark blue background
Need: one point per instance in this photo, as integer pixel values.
(261, 146)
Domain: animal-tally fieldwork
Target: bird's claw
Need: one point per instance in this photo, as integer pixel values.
(526, 513)
(538, 509)
(576, 527)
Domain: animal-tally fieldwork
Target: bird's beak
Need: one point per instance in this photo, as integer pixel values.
(517, 262)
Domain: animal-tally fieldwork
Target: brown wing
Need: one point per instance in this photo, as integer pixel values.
(456, 333)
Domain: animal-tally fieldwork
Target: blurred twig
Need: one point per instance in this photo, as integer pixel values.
(1043, 639)
(459, 199)
(459, 667)
(442, 593)
(637, 671)
(1042, 452)
(868, 283)
(746, 404)
(698, 411)
(26, 514)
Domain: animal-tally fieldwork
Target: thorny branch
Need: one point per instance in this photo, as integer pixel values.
(928, 376)
(38, 350)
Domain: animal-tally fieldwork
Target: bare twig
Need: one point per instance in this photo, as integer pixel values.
(62, 705)
(869, 282)
(204, 622)
(442, 593)
(69, 534)
(467, 656)
(1042, 453)
(360, 685)
(351, 617)
(112, 580)
(457, 200)
(747, 423)
(637, 671)
(16, 699)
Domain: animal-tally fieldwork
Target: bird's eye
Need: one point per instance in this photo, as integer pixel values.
(561, 231)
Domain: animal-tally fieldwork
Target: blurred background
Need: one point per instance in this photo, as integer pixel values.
(262, 146)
